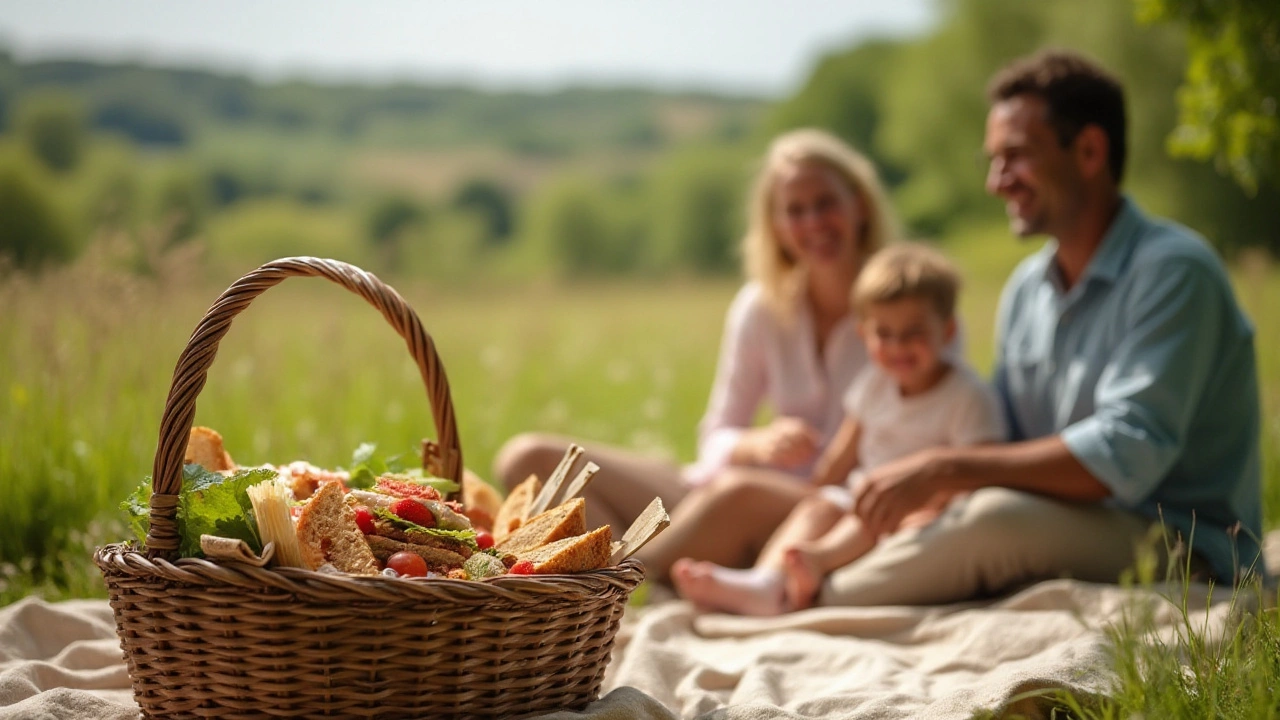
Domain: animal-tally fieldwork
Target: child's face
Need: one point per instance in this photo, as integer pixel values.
(906, 338)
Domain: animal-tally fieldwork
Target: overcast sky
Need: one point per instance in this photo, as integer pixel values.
(742, 46)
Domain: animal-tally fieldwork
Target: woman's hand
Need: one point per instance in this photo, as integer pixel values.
(785, 443)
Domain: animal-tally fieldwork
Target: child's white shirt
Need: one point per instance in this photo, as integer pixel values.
(962, 409)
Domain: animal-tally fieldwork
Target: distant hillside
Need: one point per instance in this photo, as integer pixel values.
(161, 107)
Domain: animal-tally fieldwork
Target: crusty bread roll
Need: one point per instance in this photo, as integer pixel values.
(559, 522)
(572, 554)
(327, 533)
(204, 448)
(515, 509)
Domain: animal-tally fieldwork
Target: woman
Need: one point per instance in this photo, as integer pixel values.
(817, 211)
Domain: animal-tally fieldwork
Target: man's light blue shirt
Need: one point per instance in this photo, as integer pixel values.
(1146, 369)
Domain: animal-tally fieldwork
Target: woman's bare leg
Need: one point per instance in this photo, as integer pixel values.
(625, 484)
(726, 522)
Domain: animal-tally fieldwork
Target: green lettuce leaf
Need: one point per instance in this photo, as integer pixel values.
(208, 504)
(137, 509)
(367, 467)
(466, 536)
(212, 504)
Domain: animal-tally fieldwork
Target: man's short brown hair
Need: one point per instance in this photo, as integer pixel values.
(908, 270)
(1078, 92)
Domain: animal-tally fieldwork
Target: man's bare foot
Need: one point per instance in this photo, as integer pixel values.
(801, 578)
(719, 589)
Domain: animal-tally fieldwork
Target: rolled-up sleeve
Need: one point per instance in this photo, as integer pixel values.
(736, 393)
(1147, 395)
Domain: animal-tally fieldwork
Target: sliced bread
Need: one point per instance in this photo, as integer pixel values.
(559, 522)
(515, 509)
(572, 554)
(328, 533)
(438, 559)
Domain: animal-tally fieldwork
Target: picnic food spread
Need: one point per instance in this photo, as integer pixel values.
(360, 522)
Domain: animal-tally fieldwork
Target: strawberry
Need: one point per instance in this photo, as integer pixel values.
(364, 519)
(524, 567)
(413, 511)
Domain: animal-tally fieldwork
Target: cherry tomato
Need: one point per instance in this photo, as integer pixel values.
(364, 519)
(413, 511)
(408, 564)
(524, 567)
(484, 539)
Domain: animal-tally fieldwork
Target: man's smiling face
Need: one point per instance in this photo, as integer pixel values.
(1029, 168)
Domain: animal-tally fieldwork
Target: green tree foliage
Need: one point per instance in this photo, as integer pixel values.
(575, 226)
(31, 233)
(490, 202)
(844, 94)
(53, 127)
(1228, 103)
(182, 204)
(390, 215)
(696, 210)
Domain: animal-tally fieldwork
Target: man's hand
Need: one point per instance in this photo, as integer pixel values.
(894, 490)
(785, 443)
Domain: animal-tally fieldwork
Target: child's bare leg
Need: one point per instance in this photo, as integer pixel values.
(757, 590)
(807, 564)
(813, 517)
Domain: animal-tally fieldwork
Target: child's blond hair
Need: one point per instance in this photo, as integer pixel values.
(908, 270)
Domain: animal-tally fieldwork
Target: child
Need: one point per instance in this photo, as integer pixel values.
(909, 398)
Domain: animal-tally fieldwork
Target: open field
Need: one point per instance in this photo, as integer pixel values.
(311, 372)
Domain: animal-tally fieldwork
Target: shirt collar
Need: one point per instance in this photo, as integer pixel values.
(1113, 252)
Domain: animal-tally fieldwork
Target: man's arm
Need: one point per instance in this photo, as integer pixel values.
(1044, 466)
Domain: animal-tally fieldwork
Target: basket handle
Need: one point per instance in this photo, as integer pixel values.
(193, 365)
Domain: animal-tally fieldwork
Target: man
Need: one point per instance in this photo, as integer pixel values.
(1126, 367)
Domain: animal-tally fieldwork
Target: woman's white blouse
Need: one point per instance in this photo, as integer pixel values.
(766, 358)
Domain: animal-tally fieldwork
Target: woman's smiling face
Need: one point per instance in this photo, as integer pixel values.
(817, 217)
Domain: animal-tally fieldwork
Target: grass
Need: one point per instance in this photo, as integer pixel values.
(309, 371)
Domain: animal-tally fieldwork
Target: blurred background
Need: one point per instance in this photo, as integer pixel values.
(556, 188)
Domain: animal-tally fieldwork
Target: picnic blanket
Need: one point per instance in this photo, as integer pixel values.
(63, 660)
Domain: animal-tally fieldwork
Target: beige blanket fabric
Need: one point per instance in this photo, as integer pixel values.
(62, 660)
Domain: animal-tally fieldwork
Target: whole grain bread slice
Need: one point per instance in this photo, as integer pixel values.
(438, 559)
(580, 553)
(557, 523)
(328, 533)
(515, 509)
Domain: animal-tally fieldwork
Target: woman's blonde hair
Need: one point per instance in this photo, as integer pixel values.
(765, 260)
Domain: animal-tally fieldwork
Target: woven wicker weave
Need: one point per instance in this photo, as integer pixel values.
(211, 640)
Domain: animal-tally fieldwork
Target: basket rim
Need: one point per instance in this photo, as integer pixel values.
(127, 559)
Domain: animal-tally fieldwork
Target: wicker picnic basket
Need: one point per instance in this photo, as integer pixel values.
(229, 640)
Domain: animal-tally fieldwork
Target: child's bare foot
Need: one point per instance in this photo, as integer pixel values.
(715, 588)
(801, 578)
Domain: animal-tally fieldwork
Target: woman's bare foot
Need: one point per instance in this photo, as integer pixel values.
(719, 589)
(801, 578)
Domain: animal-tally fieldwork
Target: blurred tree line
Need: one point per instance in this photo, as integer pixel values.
(610, 181)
